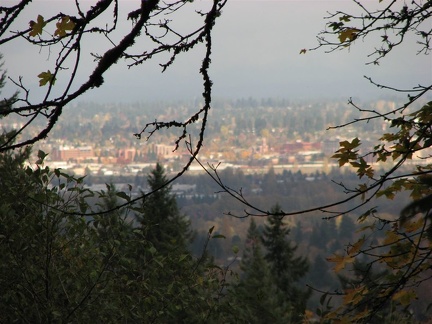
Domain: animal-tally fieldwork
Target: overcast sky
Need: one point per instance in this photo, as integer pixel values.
(256, 54)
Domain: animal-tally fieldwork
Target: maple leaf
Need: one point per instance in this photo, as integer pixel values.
(391, 238)
(363, 188)
(404, 297)
(345, 18)
(37, 26)
(412, 226)
(46, 77)
(348, 34)
(363, 168)
(355, 248)
(355, 295)
(340, 261)
(389, 193)
(63, 26)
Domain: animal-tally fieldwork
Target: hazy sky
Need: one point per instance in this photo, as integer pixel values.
(256, 54)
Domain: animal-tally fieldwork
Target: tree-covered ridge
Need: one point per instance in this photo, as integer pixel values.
(57, 265)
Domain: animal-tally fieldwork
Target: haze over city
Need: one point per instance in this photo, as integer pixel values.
(256, 53)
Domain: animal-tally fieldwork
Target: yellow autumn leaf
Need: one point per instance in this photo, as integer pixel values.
(390, 238)
(361, 315)
(412, 226)
(354, 296)
(363, 188)
(355, 248)
(384, 292)
(37, 26)
(331, 315)
(389, 260)
(65, 24)
(404, 297)
(340, 261)
(349, 34)
(364, 228)
(344, 320)
(46, 77)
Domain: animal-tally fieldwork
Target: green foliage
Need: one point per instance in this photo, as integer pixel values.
(165, 227)
(269, 289)
(256, 293)
(57, 265)
(286, 268)
(6, 104)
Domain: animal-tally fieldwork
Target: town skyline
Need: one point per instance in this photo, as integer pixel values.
(249, 134)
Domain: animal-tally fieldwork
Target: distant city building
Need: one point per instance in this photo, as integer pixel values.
(164, 151)
(70, 153)
(298, 146)
(126, 155)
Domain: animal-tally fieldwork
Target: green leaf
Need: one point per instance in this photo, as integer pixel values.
(235, 249)
(336, 25)
(83, 207)
(123, 195)
(211, 229)
(41, 157)
(41, 154)
(345, 18)
(56, 313)
(427, 143)
(217, 236)
(182, 257)
(152, 250)
(323, 298)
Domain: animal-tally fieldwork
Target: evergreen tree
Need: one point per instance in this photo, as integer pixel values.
(255, 293)
(347, 228)
(286, 269)
(319, 274)
(161, 219)
(6, 104)
(55, 267)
